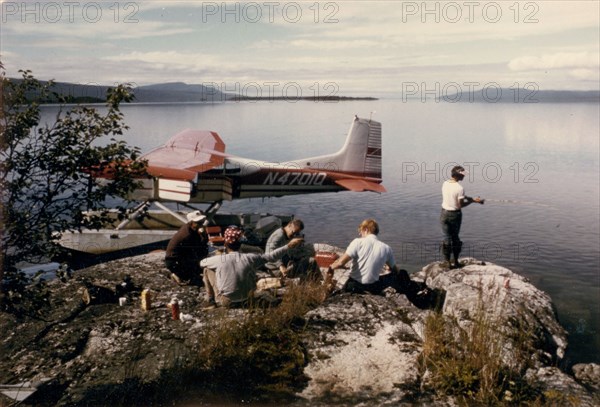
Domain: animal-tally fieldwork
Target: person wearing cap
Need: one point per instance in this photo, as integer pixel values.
(186, 248)
(230, 278)
(298, 262)
(370, 255)
(453, 200)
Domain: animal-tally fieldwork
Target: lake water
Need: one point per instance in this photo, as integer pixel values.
(536, 164)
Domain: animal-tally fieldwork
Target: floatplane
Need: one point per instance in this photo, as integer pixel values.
(193, 168)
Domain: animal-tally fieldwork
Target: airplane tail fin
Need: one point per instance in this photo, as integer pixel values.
(360, 156)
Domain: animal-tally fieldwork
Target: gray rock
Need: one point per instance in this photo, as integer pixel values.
(508, 298)
(362, 349)
(560, 388)
(588, 374)
(365, 349)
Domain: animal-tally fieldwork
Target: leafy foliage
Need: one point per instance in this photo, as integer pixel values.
(43, 179)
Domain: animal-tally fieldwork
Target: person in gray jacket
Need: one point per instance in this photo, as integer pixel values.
(230, 278)
(296, 263)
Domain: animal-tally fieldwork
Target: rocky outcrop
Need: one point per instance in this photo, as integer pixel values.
(506, 297)
(366, 349)
(589, 375)
(85, 352)
(361, 349)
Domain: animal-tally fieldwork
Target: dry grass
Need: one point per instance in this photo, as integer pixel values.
(467, 362)
(260, 352)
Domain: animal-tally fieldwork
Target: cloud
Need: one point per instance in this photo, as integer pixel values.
(337, 45)
(373, 45)
(105, 29)
(561, 60)
(585, 74)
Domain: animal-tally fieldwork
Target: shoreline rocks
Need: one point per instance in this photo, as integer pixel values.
(362, 349)
(508, 298)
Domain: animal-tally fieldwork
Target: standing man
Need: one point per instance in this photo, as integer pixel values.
(186, 248)
(369, 256)
(230, 279)
(453, 200)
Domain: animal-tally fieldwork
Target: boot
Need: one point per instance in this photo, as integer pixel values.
(446, 250)
(456, 249)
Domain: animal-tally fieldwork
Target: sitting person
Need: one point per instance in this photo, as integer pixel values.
(298, 262)
(186, 248)
(230, 279)
(369, 256)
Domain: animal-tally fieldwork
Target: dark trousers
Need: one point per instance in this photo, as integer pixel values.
(399, 281)
(186, 270)
(451, 222)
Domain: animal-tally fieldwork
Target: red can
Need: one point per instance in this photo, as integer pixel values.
(174, 305)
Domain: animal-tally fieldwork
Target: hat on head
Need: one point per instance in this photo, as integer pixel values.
(195, 216)
(232, 235)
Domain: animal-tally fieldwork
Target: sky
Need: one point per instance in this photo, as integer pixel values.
(376, 48)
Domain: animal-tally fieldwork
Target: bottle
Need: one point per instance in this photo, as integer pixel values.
(146, 299)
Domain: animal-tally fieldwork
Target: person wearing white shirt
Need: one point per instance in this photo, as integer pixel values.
(370, 257)
(453, 200)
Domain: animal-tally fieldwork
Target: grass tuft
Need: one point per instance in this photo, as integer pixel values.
(469, 361)
(260, 353)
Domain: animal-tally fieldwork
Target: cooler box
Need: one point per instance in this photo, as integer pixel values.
(324, 259)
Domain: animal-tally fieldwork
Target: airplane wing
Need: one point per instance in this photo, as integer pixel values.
(186, 154)
(360, 185)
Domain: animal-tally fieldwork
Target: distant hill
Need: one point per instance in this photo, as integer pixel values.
(497, 95)
(164, 92)
(172, 92)
(70, 92)
(179, 92)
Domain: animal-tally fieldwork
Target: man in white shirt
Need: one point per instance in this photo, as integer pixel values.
(453, 200)
(370, 256)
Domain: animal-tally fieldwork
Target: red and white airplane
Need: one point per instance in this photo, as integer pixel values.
(192, 167)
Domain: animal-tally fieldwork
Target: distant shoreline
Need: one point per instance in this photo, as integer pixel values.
(178, 92)
(100, 102)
